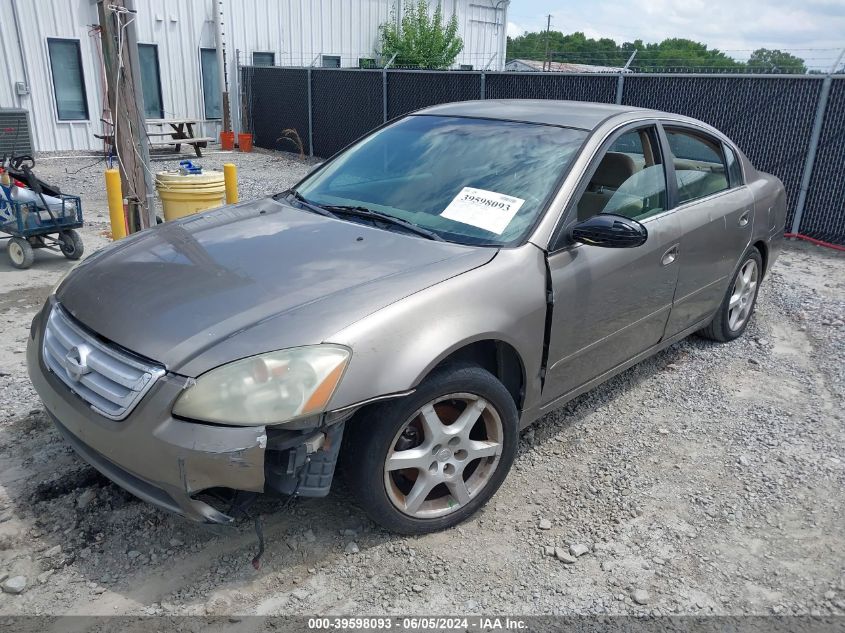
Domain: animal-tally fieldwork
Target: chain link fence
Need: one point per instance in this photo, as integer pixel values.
(789, 125)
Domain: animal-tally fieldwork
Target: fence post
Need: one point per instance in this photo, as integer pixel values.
(310, 118)
(384, 95)
(812, 150)
(483, 85)
(384, 88)
(620, 83)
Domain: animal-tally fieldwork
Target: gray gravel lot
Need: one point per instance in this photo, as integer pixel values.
(706, 480)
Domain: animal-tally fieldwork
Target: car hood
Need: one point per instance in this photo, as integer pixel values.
(250, 278)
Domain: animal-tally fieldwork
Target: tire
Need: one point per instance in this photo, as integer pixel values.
(20, 253)
(71, 244)
(728, 324)
(458, 484)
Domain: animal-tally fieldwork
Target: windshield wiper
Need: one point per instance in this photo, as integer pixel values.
(310, 205)
(364, 212)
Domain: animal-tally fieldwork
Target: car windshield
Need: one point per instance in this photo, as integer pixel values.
(472, 181)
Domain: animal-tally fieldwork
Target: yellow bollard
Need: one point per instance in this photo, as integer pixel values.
(115, 198)
(230, 176)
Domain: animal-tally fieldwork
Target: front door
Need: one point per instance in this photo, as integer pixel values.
(610, 304)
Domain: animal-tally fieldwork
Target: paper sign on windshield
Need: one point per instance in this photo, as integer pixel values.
(487, 210)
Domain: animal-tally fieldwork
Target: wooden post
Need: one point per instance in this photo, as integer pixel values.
(220, 40)
(126, 99)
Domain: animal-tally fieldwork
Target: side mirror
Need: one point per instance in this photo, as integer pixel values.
(610, 231)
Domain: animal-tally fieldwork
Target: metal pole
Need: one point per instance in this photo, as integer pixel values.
(483, 85)
(546, 59)
(812, 150)
(310, 118)
(384, 88)
(384, 95)
(620, 83)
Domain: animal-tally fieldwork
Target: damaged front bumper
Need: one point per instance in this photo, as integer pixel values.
(168, 462)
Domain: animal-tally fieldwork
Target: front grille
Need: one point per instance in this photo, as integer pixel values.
(110, 380)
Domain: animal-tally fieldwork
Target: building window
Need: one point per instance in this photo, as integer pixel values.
(211, 92)
(150, 81)
(367, 62)
(68, 80)
(331, 61)
(466, 66)
(263, 59)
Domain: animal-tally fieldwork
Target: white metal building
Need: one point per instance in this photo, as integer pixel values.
(53, 68)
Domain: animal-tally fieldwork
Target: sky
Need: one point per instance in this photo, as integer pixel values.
(729, 25)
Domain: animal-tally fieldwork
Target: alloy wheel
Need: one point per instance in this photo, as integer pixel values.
(742, 296)
(443, 456)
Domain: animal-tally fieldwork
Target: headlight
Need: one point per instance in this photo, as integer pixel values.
(266, 389)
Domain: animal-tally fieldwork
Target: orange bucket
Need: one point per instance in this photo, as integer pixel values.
(227, 140)
(245, 142)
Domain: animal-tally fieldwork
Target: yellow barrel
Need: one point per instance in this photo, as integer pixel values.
(186, 194)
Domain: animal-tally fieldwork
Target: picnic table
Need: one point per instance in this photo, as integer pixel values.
(181, 132)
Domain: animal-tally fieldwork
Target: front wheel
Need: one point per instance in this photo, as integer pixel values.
(428, 461)
(738, 305)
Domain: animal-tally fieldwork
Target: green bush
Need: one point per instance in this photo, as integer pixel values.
(421, 40)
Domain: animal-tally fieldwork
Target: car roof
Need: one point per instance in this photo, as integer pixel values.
(577, 114)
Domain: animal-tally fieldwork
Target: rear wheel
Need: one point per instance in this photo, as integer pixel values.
(738, 305)
(428, 461)
(71, 244)
(20, 253)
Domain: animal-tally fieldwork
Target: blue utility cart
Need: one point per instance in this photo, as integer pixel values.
(31, 225)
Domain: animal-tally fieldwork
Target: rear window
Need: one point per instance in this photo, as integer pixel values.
(699, 164)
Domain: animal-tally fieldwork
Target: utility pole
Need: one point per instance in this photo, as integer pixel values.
(126, 103)
(220, 40)
(546, 60)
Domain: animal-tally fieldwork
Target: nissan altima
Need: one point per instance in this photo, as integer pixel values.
(405, 309)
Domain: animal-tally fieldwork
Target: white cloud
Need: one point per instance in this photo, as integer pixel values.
(731, 25)
(514, 29)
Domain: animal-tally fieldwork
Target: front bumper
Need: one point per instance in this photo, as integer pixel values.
(154, 456)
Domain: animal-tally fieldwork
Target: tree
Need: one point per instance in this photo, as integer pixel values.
(775, 61)
(575, 48)
(421, 39)
(673, 54)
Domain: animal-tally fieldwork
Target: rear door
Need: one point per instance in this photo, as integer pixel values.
(610, 304)
(715, 211)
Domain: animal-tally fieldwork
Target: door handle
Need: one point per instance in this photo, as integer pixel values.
(743, 219)
(669, 256)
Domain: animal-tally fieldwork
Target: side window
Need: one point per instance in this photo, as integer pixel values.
(699, 164)
(629, 180)
(734, 169)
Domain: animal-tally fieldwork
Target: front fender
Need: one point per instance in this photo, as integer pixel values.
(394, 349)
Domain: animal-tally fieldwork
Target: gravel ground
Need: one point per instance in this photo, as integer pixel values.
(706, 480)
